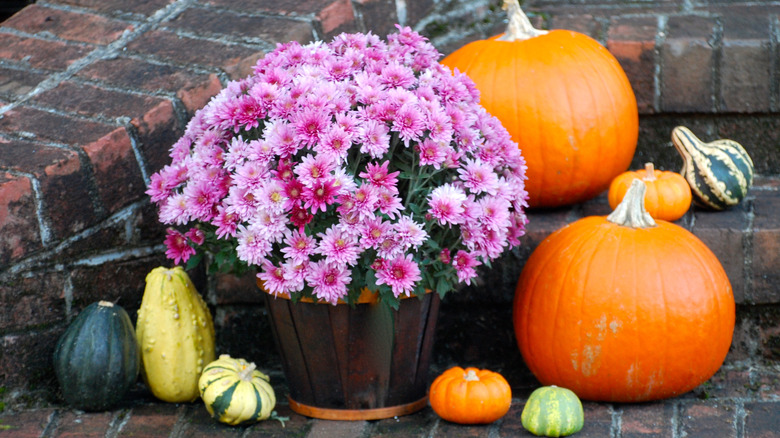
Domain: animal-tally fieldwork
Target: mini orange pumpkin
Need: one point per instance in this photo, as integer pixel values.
(623, 308)
(564, 99)
(470, 396)
(668, 194)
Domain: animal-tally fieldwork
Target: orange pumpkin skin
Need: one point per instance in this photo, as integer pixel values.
(621, 314)
(668, 195)
(470, 396)
(567, 103)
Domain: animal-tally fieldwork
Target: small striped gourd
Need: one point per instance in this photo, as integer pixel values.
(176, 334)
(719, 173)
(553, 411)
(235, 392)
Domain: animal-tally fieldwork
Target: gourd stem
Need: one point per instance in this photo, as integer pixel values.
(105, 303)
(631, 210)
(245, 373)
(471, 376)
(519, 27)
(650, 172)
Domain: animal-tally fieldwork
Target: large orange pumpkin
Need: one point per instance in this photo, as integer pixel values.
(564, 99)
(622, 308)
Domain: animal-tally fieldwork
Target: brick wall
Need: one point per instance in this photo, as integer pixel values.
(93, 93)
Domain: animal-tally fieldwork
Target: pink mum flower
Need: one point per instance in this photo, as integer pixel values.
(298, 246)
(464, 264)
(320, 196)
(338, 246)
(478, 177)
(400, 273)
(328, 281)
(446, 204)
(178, 249)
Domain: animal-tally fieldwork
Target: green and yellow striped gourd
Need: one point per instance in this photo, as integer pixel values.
(553, 411)
(235, 392)
(719, 173)
(176, 334)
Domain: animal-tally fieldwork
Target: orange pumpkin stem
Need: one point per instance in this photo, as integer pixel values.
(519, 27)
(631, 210)
(650, 172)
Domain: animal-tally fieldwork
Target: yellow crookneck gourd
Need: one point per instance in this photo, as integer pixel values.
(176, 334)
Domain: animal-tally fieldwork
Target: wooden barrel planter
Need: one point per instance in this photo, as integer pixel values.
(361, 362)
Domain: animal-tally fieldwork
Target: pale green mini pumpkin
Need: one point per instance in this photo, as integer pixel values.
(235, 392)
(553, 411)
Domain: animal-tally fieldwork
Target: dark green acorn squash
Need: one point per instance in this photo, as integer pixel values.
(719, 173)
(97, 359)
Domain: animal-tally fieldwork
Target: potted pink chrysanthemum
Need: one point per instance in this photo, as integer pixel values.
(344, 167)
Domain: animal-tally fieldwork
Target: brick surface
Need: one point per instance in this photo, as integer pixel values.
(632, 41)
(118, 7)
(294, 426)
(208, 22)
(151, 420)
(16, 83)
(646, 420)
(762, 419)
(343, 429)
(18, 223)
(336, 18)
(183, 50)
(26, 424)
(73, 424)
(40, 53)
(713, 420)
(687, 65)
(766, 247)
(116, 170)
(31, 302)
(723, 233)
(281, 7)
(583, 23)
(380, 16)
(25, 359)
(417, 424)
(747, 63)
(81, 27)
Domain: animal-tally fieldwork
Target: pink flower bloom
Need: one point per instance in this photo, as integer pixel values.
(272, 278)
(309, 124)
(272, 197)
(313, 168)
(400, 273)
(410, 234)
(373, 232)
(446, 204)
(432, 153)
(336, 142)
(174, 210)
(478, 177)
(464, 264)
(299, 216)
(375, 139)
(225, 222)
(298, 246)
(409, 123)
(338, 247)
(252, 246)
(379, 176)
(389, 203)
(328, 281)
(196, 236)
(320, 196)
(178, 249)
(200, 199)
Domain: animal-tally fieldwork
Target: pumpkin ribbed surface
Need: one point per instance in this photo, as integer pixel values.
(470, 396)
(719, 173)
(553, 411)
(96, 360)
(235, 392)
(567, 103)
(668, 194)
(176, 334)
(617, 313)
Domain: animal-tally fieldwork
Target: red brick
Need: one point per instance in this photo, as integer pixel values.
(25, 359)
(157, 131)
(646, 420)
(580, 22)
(119, 7)
(16, 83)
(417, 10)
(417, 424)
(18, 223)
(759, 134)
(761, 419)
(122, 282)
(116, 170)
(713, 419)
(688, 64)
(231, 289)
(25, 424)
(632, 41)
(281, 7)
(723, 233)
(766, 247)
(188, 51)
(209, 22)
(32, 301)
(746, 75)
(336, 18)
(93, 101)
(83, 425)
(378, 16)
(46, 126)
(344, 429)
(64, 184)
(42, 54)
(73, 26)
(198, 422)
(151, 420)
(196, 97)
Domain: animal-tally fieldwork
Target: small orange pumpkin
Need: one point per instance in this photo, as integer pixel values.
(470, 396)
(564, 99)
(668, 194)
(623, 308)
